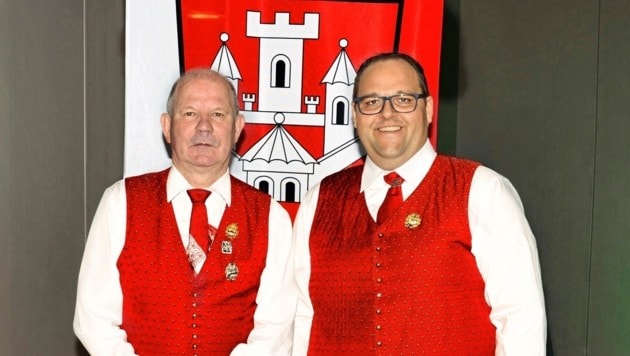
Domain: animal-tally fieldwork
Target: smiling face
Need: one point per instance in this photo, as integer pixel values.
(391, 138)
(202, 128)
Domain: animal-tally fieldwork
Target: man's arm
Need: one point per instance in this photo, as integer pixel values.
(98, 313)
(276, 298)
(301, 234)
(505, 249)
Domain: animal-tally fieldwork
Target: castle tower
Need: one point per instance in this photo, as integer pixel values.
(339, 83)
(280, 65)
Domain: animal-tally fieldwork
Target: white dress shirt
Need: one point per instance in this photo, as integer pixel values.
(502, 243)
(98, 314)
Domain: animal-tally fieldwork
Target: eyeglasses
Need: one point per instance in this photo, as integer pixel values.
(401, 103)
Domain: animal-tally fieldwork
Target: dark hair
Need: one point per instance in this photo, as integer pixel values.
(422, 80)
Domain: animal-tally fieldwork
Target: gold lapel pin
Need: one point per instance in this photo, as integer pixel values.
(412, 221)
(231, 231)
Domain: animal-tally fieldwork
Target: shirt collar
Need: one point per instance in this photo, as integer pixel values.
(176, 184)
(412, 171)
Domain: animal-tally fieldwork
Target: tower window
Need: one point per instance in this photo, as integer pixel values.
(280, 69)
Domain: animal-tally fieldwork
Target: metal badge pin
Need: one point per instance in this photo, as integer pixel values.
(231, 271)
(231, 231)
(226, 247)
(412, 221)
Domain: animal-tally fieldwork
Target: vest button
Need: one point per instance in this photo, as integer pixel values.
(378, 343)
(380, 234)
(194, 326)
(379, 280)
(378, 311)
(378, 249)
(378, 295)
(378, 327)
(378, 264)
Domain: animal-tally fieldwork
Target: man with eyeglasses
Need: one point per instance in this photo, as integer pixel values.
(413, 252)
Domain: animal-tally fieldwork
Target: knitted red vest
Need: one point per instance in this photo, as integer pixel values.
(167, 310)
(403, 287)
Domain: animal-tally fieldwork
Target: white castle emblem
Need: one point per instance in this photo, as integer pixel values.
(278, 164)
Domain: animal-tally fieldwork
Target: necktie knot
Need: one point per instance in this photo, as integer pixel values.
(393, 199)
(198, 195)
(393, 179)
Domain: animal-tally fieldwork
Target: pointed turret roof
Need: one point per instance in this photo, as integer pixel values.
(341, 71)
(224, 62)
(278, 145)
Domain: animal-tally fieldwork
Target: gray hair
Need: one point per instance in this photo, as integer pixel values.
(197, 73)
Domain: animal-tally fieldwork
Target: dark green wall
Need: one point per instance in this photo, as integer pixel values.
(541, 97)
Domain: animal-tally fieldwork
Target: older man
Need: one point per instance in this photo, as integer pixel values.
(183, 261)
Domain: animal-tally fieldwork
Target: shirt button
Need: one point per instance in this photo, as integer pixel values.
(378, 311)
(378, 248)
(194, 326)
(194, 315)
(194, 346)
(378, 295)
(194, 305)
(380, 234)
(194, 336)
(378, 327)
(195, 295)
(378, 264)
(378, 343)
(378, 280)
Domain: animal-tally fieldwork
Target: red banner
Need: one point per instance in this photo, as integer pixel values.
(293, 64)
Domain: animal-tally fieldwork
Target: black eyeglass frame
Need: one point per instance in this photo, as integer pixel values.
(417, 96)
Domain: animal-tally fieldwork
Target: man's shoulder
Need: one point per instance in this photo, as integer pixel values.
(456, 160)
(344, 175)
(149, 176)
(145, 180)
(238, 185)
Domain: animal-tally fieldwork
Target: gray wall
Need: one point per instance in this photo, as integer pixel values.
(543, 98)
(61, 127)
(536, 90)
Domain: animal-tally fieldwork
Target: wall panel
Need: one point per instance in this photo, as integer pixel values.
(41, 181)
(527, 108)
(609, 307)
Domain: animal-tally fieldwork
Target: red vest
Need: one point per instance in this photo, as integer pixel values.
(404, 287)
(167, 310)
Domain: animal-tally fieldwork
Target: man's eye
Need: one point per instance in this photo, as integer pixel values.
(372, 101)
(218, 115)
(189, 113)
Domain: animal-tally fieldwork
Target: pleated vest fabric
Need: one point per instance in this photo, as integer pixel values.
(409, 286)
(167, 309)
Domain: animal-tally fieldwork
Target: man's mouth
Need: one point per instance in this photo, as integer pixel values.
(390, 129)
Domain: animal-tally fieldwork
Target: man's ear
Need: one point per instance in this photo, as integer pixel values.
(428, 108)
(165, 121)
(239, 123)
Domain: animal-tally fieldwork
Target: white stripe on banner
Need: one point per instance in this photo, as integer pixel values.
(151, 65)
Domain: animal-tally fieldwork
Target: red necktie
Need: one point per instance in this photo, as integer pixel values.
(393, 199)
(199, 217)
